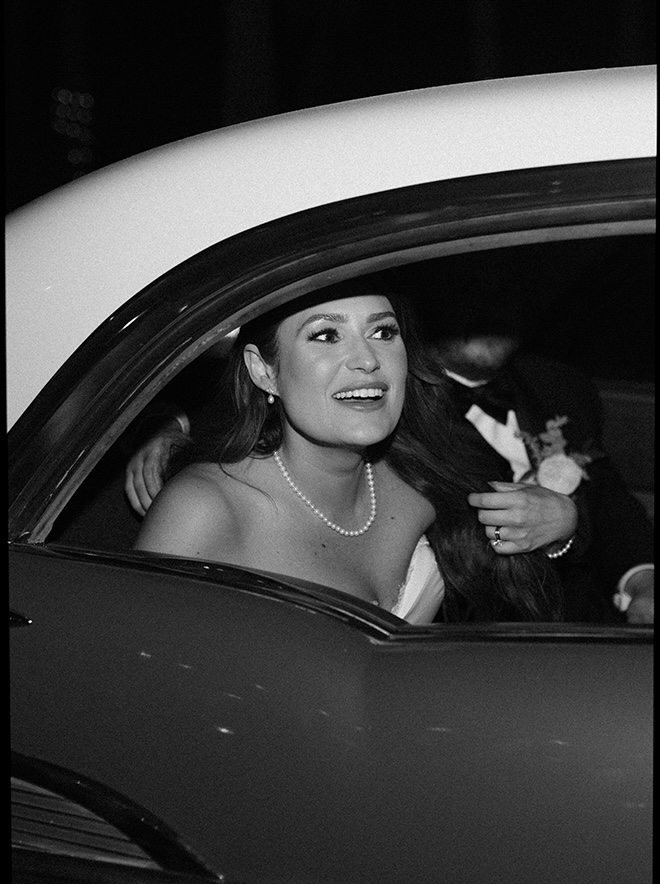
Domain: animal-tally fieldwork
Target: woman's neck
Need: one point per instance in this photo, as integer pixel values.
(332, 477)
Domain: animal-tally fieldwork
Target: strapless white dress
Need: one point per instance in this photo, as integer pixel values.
(421, 594)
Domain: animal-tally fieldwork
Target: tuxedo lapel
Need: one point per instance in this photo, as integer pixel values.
(531, 413)
(469, 439)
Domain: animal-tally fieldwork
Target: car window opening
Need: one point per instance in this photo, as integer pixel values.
(586, 303)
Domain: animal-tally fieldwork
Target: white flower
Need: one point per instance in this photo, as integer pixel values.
(552, 468)
(560, 473)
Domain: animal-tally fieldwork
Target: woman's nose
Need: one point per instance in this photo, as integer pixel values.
(363, 357)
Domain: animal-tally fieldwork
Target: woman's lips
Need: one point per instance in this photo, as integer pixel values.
(360, 394)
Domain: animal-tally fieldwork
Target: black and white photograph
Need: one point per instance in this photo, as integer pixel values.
(330, 384)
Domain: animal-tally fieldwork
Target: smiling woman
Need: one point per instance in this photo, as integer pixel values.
(315, 392)
(318, 409)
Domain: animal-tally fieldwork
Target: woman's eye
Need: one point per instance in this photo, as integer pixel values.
(386, 332)
(325, 335)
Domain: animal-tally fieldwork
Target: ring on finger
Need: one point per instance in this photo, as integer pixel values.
(498, 538)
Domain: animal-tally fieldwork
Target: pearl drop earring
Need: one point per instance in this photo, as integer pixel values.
(271, 398)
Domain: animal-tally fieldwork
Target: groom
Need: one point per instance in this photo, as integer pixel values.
(508, 402)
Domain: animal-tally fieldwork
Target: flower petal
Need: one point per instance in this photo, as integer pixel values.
(560, 473)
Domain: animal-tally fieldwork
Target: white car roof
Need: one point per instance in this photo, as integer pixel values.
(76, 254)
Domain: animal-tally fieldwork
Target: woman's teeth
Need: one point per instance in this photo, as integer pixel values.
(367, 393)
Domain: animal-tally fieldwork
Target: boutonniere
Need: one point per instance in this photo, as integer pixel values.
(553, 467)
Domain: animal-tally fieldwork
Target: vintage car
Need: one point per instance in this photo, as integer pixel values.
(186, 720)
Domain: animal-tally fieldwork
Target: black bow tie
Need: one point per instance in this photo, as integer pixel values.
(496, 398)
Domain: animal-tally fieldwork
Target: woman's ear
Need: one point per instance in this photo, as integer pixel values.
(261, 373)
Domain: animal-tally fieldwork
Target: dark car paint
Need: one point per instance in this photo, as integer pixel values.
(284, 742)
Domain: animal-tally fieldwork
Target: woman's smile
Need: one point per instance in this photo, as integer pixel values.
(361, 396)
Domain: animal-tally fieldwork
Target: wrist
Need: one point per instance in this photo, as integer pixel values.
(559, 548)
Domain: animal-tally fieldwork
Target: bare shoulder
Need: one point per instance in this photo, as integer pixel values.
(197, 487)
(197, 513)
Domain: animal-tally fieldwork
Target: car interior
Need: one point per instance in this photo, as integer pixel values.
(586, 302)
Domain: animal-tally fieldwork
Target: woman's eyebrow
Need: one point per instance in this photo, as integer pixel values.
(343, 318)
(326, 317)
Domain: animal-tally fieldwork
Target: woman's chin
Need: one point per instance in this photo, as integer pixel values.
(368, 439)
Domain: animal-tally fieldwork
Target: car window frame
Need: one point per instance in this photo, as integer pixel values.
(89, 402)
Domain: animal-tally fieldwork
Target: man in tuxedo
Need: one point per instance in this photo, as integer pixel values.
(585, 518)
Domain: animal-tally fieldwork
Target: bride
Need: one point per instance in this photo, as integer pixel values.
(316, 476)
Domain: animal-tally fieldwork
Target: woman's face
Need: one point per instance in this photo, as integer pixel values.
(342, 371)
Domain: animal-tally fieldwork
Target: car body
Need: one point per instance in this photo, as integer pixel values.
(244, 726)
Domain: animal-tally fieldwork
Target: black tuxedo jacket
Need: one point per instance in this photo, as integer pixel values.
(614, 530)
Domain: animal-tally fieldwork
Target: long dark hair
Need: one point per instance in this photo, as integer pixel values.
(428, 450)
(435, 452)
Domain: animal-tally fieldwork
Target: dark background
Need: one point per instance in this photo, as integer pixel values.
(90, 82)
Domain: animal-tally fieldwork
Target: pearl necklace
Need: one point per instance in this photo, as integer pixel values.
(330, 524)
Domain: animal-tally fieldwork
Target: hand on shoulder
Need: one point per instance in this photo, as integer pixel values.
(145, 470)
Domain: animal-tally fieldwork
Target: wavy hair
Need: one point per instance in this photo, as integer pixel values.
(435, 451)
